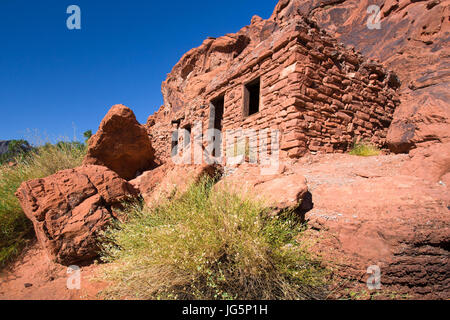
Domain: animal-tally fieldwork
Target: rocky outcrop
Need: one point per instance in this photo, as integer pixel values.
(168, 181)
(422, 118)
(366, 212)
(412, 40)
(121, 144)
(389, 211)
(279, 191)
(431, 163)
(69, 208)
(400, 225)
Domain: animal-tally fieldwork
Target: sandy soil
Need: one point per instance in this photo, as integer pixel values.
(34, 277)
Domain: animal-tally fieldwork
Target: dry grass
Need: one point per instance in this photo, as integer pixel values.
(209, 245)
(364, 149)
(15, 228)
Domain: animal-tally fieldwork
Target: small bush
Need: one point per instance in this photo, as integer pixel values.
(43, 161)
(87, 135)
(208, 245)
(15, 148)
(364, 150)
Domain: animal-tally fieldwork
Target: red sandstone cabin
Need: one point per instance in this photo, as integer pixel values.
(281, 74)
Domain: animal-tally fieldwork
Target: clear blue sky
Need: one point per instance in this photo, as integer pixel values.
(55, 81)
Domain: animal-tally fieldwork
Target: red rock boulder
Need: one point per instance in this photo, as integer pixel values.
(420, 119)
(69, 208)
(400, 224)
(367, 213)
(121, 144)
(431, 163)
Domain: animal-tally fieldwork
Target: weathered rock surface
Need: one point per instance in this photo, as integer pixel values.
(432, 163)
(422, 118)
(280, 191)
(121, 144)
(69, 208)
(424, 113)
(168, 181)
(412, 40)
(370, 214)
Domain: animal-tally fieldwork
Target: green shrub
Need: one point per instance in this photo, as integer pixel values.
(364, 149)
(43, 161)
(208, 245)
(15, 148)
(87, 135)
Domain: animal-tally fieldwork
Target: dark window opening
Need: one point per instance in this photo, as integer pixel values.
(174, 143)
(251, 97)
(216, 117)
(174, 146)
(187, 135)
(218, 106)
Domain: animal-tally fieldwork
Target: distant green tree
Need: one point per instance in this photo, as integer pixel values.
(15, 148)
(18, 146)
(87, 135)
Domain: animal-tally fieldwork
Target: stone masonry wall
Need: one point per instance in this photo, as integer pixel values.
(320, 95)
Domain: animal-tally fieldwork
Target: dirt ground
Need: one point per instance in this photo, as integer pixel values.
(34, 277)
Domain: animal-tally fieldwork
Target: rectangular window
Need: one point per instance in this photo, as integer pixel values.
(251, 97)
(174, 145)
(216, 117)
(217, 106)
(174, 149)
(187, 135)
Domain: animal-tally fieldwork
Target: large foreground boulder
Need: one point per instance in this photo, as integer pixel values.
(121, 144)
(69, 208)
(400, 225)
(366, 213)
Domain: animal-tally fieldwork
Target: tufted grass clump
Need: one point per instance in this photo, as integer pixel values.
(42, 161)
(364, 149)
(209, 244)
